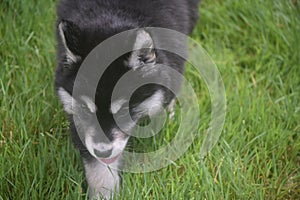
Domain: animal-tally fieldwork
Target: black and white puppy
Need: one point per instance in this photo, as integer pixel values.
(81, 26)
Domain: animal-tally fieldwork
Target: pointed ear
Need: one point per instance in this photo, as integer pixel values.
(70, 34)
(144, 53)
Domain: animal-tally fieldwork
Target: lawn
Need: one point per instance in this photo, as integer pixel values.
(256, 47)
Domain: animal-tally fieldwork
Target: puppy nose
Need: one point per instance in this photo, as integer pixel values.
(103, 154)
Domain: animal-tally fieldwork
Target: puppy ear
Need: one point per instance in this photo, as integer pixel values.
(70, 34)
(144, 53)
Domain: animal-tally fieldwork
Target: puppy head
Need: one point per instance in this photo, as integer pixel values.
(83, 110)
(76, 42)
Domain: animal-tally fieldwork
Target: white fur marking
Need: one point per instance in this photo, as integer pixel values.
(143, 40)
(66, 100)
(89, 144)
(119, 143)
(90, 104)
(103, 181)
(116, 105)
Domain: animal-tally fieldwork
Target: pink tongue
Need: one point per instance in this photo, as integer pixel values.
(110, 160)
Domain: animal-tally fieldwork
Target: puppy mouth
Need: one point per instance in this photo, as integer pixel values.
(110, 160)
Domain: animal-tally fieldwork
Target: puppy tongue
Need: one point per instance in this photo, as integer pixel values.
(109, 160)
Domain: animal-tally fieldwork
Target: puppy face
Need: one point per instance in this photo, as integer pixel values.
(108, 144)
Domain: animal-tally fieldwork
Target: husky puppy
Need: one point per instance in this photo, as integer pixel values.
(81, 26)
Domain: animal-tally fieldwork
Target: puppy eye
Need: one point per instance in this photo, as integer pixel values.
(85, 109)
(83, 106)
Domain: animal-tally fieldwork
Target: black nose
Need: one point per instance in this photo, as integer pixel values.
(103, 154)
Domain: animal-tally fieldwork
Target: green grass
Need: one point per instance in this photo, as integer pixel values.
(256, 46)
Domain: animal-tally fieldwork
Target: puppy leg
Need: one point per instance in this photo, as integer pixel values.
(103, 181)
